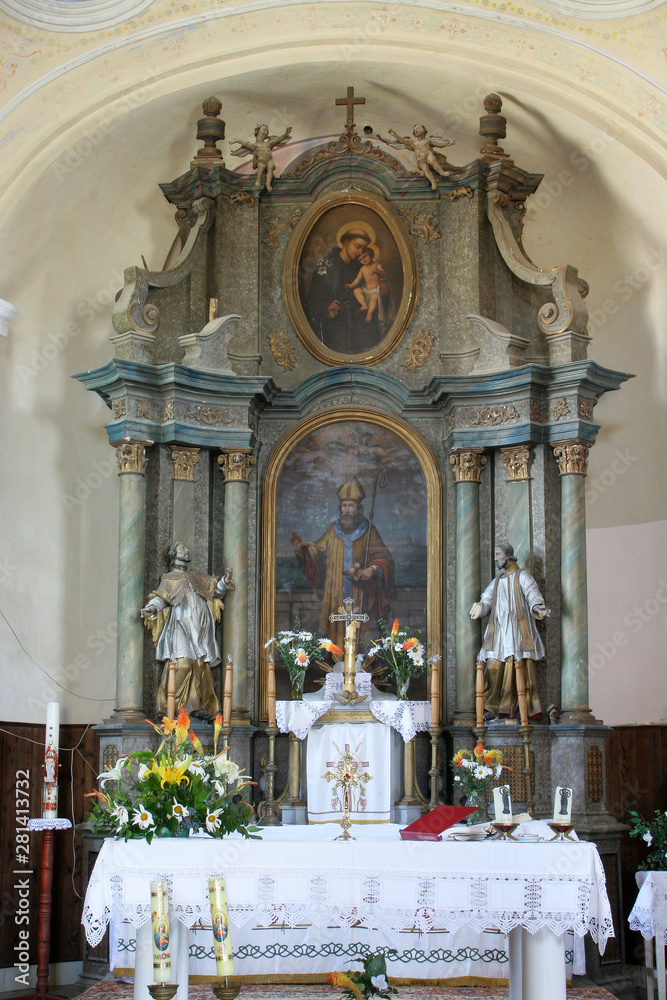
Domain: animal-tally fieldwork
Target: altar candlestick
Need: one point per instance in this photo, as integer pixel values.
(227, 693)
(502, 802)
(435, 692)
(222, 939)
(160, 928)
(563, 806)
(271, 688)
(50, 790)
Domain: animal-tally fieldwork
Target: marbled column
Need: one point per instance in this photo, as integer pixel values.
(183, 498)
(235, 466)
(516, 459)
(572, 458)
(131, 456)
(467, 466)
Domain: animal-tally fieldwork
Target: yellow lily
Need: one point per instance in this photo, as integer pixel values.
(171, 774)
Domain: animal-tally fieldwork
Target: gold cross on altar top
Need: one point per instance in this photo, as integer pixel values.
(350, 101)
(347, 615)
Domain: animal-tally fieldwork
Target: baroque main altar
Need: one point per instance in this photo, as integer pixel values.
(361, 322)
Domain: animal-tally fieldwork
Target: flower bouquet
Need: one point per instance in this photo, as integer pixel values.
(372, 982)
(654, 832)
(474, 771)
(298, 650)
(175, 790)
(403, 654)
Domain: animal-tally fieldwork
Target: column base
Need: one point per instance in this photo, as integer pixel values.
(460, 719)
(578, 716)
(122, 715)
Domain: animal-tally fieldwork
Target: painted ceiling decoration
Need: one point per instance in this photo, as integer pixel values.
(74, 15)
(603, 10)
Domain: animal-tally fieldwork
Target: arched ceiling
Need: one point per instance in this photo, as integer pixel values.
(428, 59)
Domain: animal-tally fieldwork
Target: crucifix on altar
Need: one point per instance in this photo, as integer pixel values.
(353, 620)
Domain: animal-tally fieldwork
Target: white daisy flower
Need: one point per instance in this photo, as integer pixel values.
(196, 768)
(179, 811)
(213, 820)
(142, 818)
(121, 814)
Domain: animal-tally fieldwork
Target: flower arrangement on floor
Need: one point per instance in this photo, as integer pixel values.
(654, 832)
(474, 771)
(297, 650)
(175, 790)
(372, 982)
(402, 652)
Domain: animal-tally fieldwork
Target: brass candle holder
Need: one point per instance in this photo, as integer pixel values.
(504, 831)
(271, 816)
(225, 992)
(163, 991)
(562, 831)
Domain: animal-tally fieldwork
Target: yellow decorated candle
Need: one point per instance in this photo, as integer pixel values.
(160, 929)
(222, 939)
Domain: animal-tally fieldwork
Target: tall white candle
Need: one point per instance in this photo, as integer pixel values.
(502, 802)
(160, 929)
(51, 746)
(222, 940)
(563, 805)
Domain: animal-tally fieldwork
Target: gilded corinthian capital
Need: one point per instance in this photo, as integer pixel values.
(572, 456)
(131, 457)
(516, 459)
(184, 460)
(467, 464)
(236, 465)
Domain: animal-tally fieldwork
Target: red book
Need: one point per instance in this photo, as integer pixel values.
(430, 826)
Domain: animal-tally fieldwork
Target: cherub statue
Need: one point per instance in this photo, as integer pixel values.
(262, 158)
(423, 146)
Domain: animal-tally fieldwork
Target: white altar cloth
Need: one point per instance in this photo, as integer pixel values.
(378, 883)
(649, 914)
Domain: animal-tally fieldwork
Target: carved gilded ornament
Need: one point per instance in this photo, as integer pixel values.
(451, 423)
(282, 350)
(421, 225)
(418, 351)
(241, 198)
(490, 416)
(131, 458)
(143, 409)
(572, 457)
(516, 460)
(207, 415)
(168, 411)
(586, 408)
(467, 465)
(536, 411)
(184, 460)
(271, 238)
(460, 192)
(560, 408)
(236, 465)
(119, 409)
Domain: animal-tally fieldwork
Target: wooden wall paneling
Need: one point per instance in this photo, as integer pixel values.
(22, 749)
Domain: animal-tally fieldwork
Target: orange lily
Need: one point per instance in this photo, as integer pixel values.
(331, 647)
(168, 725)
(340, 979)
(96, 794)
(182, 726)
(196, 742)
(217, 726)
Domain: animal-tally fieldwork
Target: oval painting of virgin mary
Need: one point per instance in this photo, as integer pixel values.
(350, 279)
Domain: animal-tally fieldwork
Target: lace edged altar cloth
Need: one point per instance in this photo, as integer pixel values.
(649, 914)
(291, 877)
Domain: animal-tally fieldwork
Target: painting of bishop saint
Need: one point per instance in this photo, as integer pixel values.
(351, 522)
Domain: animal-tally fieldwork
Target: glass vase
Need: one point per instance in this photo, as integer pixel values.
(477, 798)
(297, 685)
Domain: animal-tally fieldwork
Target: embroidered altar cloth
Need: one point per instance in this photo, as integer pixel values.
(649, 914)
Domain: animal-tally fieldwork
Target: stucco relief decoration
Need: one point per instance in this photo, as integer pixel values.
(143, 409)
(168, 411)
(516, 460)
(467, 465)
(282, 350)
(586, 408)
(421, 225)
(572, 457)
(491, 416)
(236, 465)
(119, 409)
(277, 228)
(207, 415)
(241, 198)
(560, 409)
(184, 460)
(460, 192)
(131, 458)
(536, 411)
(418, 351)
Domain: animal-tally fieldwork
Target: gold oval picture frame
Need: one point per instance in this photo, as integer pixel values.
(350, 278)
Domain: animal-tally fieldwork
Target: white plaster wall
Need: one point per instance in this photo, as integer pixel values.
(627, 608)
(67, 234)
